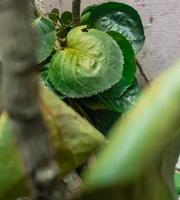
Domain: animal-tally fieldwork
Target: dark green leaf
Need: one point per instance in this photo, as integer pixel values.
(88, 65)
(54, 15)
(63, 32)
(46, 38)
(121, 18)
(86, 13)
(102, 119)
(93, 103)
(129, 67)
(88, 9)
(66, 18)
(123, 103)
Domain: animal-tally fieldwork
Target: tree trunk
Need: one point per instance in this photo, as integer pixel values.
(20, 98)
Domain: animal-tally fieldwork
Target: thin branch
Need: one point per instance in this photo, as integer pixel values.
(143, 74)
(76, 7)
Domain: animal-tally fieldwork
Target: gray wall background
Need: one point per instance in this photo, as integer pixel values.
(162, 21)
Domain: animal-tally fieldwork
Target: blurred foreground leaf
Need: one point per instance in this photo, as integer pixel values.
(138, 138)
(73, 139)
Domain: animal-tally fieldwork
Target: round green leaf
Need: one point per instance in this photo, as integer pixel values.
(129, 67)
(121, 18)
(66, 18)
(88, 65)
(127, 100)
(46, 38)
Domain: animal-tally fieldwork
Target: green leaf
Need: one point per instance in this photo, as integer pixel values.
(62, 33)
(123, 103)
(121, 18)
(88, 65)
(46, 38)
(88, 9)
(141, 134)
(129, 67)
(66, 18)
(102, 119)
(93, 103)
(54, 15)
(86, 13)
(45, 80)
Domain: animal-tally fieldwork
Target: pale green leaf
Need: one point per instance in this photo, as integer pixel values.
(91, 63)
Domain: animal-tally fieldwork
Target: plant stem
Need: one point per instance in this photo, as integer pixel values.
(141, 70)
(76, 7)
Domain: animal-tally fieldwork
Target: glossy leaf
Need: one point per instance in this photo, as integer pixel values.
(119, 17)
(46, 38)
(129, 67)
(66, 18)
(123, 103)
(88, 65)
(141, 134)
